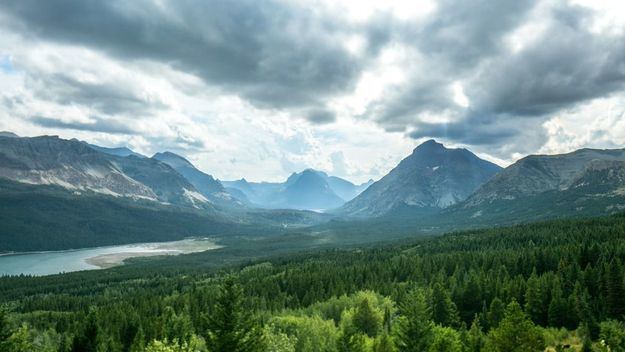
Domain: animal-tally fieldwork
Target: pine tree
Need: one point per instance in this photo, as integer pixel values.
(231, 327)
(615, 291)
(475, 338)
(5, 327)
(516, 333)
(534, 305)
(138, 343)
(384, 343)
(496, 312)
(415, 325)
(444, 311)
(557, 307)
(366, 320)
(87, 339)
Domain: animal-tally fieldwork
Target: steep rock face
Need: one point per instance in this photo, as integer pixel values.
(431, 177)
(77, 166)
(210, 188)
(536, 174)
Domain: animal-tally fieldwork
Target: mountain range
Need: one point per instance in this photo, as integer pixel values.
(83, 195)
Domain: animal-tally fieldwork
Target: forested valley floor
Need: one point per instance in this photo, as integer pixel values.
(556, 285)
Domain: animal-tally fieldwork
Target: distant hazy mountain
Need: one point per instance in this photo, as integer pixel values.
(309, 189)
(536, 174)
(122, 151)
(77, 166)
(8, 134)
(431, 177)
(204, 183)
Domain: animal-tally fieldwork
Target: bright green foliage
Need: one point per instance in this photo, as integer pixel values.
(613, 334)
(474, 339)
(193, 345)
(415, 327)
(19, 341)
(366, 319)
(231, 327)
(384, 343)
(515, 333)
(277, 341)
(310, 334)
(445, 339)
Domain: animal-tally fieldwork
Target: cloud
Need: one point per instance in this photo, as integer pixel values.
(321, 116)
(279, 86)
(93, 125)
(274, 54)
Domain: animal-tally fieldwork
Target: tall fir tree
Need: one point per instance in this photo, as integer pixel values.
(515, 333)
(88, 338)
(231, 328)
(615, 291)
(415, 325)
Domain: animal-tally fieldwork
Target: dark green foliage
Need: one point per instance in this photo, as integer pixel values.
(419, 294)
(231, 327)
(443, 310)
(496, 312)
(88, 337)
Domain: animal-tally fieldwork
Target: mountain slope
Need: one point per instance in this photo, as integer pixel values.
(77, 166)
(204, 183)
(536, 174)
(431, 177)
(121, 151)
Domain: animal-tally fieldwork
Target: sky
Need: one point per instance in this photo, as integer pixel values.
(260, 89)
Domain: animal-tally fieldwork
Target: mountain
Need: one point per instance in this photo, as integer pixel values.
(343, 188)
(77, 166)
(536, 174)
(210, 188)
(432, 177)
(122, 151)
(8, 134)
(310, 189)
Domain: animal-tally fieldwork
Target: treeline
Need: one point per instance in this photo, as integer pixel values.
(523, 288)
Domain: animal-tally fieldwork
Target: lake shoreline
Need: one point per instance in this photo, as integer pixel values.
(96, 258)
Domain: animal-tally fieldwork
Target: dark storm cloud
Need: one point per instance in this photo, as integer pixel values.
(109, 98)
(272, 53)
(320, 116)
(509, 91)
(567, 65)
(97, 124)
(288, 56)
(453, 43)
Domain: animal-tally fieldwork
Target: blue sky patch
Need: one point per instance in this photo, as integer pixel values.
(6, 64)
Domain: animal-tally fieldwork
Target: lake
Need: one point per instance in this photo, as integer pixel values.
(47, 263)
